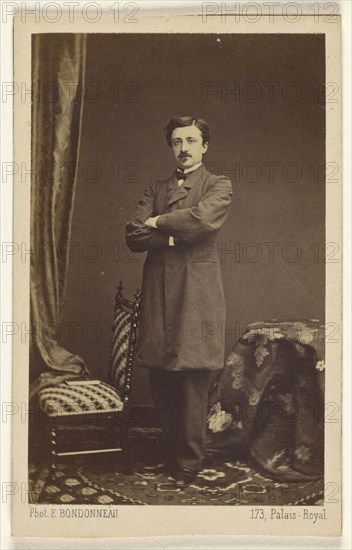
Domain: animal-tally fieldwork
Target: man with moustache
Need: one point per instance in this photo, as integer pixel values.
(183, 307)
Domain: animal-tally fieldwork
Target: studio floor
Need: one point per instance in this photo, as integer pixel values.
(100, 479)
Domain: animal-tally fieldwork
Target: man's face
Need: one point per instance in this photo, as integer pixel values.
(187, 146)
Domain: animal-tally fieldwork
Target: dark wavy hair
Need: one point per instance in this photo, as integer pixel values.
(182, 122)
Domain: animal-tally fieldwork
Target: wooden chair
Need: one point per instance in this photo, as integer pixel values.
(86, 407)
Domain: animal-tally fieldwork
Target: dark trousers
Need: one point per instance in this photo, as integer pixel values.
(181, 400)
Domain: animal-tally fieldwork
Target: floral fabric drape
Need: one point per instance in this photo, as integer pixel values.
(269, 399)
(58, 68)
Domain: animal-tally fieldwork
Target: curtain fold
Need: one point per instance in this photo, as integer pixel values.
(58, 71)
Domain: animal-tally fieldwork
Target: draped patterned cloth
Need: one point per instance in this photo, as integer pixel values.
(269, 399)
(57, 82)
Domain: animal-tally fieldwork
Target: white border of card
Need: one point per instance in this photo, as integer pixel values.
(140, 521)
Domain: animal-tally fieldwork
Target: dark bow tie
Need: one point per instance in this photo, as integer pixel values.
(180, 175)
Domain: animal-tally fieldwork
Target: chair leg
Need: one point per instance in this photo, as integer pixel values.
(53, 447)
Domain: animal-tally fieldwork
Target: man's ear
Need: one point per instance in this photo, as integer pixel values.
(205, 147)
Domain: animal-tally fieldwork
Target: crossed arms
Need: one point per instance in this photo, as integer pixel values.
(186, 225)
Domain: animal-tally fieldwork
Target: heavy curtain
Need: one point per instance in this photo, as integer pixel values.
(58, 72)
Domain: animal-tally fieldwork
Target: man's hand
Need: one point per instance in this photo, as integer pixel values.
(151, 222)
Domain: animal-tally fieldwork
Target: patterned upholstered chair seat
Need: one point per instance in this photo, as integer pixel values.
(77, 399)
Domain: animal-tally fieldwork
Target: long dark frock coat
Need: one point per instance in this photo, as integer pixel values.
(183, 308)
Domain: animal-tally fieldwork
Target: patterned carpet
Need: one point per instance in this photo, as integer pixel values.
(98, 479)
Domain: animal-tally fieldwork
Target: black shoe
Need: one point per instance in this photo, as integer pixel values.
(184, 476)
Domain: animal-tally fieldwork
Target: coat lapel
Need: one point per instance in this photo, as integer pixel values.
(176, 192)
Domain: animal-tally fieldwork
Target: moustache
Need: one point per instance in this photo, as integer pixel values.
(184, 156)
